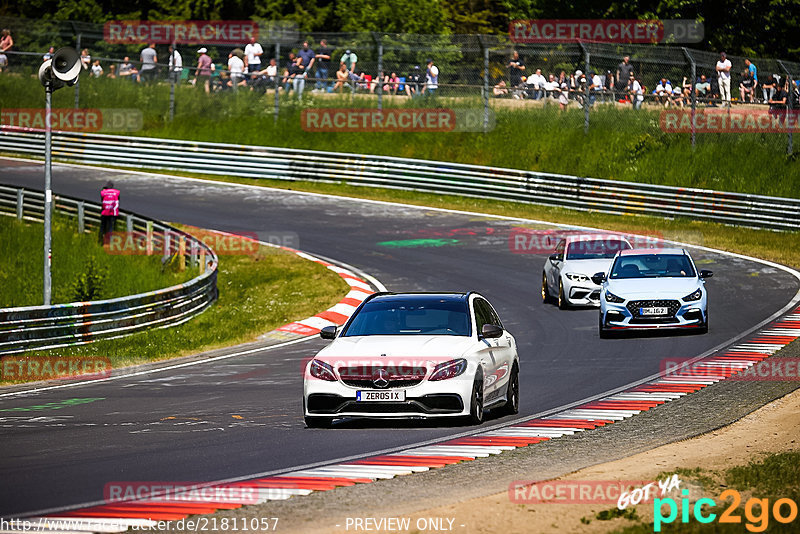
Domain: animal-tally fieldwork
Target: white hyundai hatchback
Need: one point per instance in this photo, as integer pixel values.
(414, 355)
(567, 272)
(653, 289)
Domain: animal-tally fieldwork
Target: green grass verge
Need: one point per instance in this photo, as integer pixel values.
(257, 293)
(621, 144)
(773, 477)
(81, 268)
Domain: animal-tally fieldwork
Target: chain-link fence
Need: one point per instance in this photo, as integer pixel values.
(479, 72)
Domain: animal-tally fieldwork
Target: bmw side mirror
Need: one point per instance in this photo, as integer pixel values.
(328, 332)
(706, 274)
(490, 331)
(555, 257)
(599, 278)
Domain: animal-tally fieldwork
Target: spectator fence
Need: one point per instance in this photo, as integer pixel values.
(474, 70)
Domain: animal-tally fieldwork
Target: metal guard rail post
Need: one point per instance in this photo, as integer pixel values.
(44, 327)
(590, 194)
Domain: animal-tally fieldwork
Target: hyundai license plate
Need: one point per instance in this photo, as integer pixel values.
(654, 311)
(398, 395)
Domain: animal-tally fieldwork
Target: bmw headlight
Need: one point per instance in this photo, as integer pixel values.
(576, 277)
(611, 297)
(693, 296)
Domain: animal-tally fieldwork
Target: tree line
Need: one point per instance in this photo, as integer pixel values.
(759, 28)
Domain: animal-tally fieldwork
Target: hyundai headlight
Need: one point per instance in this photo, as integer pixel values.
(693, 296)
(611, 297)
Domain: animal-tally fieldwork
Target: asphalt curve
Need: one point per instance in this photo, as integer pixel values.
(242, 415)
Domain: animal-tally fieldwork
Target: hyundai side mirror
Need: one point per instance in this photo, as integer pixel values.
(328, 332)
(555, 256)
(706, 274)
(599, 278)
(490, 331)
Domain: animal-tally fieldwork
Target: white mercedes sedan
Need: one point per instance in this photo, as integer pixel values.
(567, 273)
(653, 289)
(414, 355)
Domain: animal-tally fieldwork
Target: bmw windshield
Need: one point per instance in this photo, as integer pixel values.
(595, 249)
(652, 266)
(419, 316)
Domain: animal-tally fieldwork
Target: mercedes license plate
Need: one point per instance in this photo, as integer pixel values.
(381, 396)
(654, 311)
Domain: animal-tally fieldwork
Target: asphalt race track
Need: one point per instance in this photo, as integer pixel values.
(179, 425)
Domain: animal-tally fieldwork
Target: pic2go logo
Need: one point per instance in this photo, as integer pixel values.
(756, 511)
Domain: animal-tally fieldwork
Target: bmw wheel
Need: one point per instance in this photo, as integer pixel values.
(546, 298)
(562, 301)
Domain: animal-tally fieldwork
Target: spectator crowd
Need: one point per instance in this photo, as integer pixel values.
(327, 71)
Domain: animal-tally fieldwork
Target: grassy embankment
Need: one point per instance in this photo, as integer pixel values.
(621, 144)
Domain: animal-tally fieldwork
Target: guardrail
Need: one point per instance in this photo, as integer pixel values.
(40, 327)
(590, 194)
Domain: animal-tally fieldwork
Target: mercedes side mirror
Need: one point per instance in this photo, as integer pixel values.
(328, 332)
(490, 331)
(599, 278)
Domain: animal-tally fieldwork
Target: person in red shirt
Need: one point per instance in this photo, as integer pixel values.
(110, 212)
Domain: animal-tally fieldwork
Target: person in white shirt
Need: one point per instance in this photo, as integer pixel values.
(537, 82)
(252, 54)
(724, 78)
(636, 92)
(431, 79)
(175, 65)
(97, 70)
(551, 86)
(595, 87)
(236, 69)
(663, 92)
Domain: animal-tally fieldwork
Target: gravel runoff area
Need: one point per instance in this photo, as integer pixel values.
(468, 484)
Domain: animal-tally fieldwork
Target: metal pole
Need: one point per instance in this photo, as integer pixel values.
(78, 79)
(586, 92)
(789, 105)
(380, 73)
(20, 203)
(277, 80)
(81, 218)
(693, 91)
(485, 87)
(48, 194)
(172, 86)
